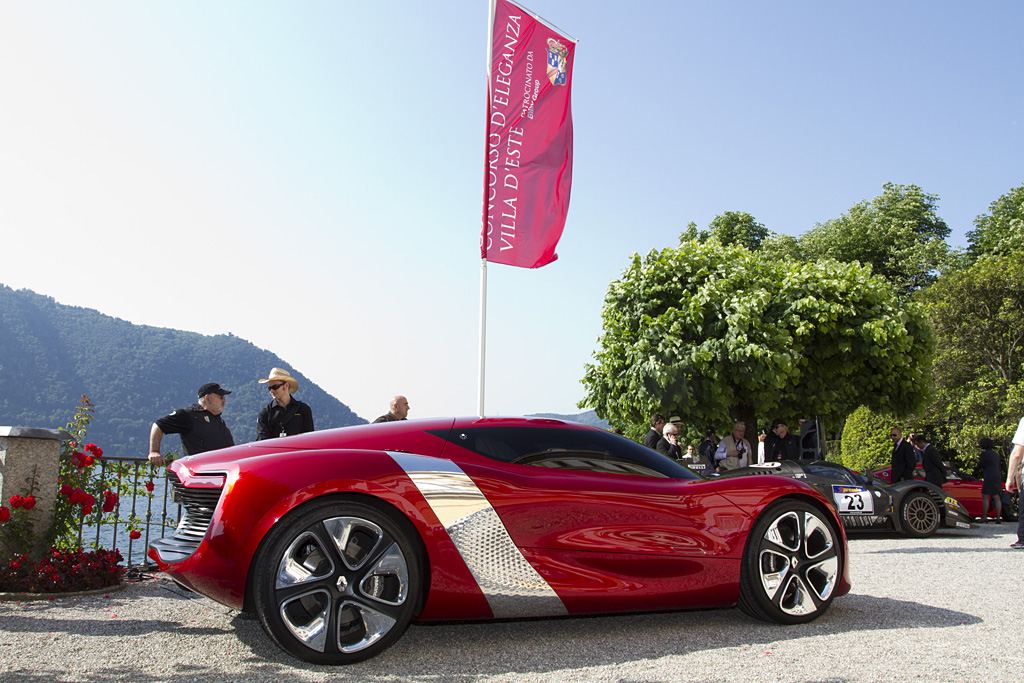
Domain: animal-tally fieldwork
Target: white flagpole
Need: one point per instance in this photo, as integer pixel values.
(483, 261)
(483, 332)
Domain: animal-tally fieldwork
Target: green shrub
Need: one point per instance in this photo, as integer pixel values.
(866, 442)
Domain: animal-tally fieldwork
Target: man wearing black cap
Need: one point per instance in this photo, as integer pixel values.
(200, 425)
(780, 444)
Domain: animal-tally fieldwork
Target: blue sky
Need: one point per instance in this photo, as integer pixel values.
(308, 175)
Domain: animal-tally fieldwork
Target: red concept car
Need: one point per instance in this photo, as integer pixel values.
(964, 488)
(338, 539)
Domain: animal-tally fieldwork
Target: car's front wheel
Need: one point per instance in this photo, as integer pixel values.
(336, 581)
(791, 564)
(919, 515)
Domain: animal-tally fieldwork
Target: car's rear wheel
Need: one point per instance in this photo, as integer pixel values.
(791, 564)
(919, 515)
(337, 581)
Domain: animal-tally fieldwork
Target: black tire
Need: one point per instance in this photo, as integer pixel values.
(919, 515)
(791, 564)
(337, 581)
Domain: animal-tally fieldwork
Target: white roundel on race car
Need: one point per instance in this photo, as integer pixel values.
(852, 500)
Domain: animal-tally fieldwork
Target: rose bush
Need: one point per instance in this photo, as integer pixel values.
(62, 571)
(89, 494)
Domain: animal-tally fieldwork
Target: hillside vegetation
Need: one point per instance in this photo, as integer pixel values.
(51, 354)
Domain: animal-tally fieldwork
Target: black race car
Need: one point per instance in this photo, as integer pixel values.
(913, 508)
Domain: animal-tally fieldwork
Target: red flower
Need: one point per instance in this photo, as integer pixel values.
(5, 514)
(87, 461)
(109, 501)
(86, 510)
(17, 502)
(149, 486)
(134, 535)
(94, 449)
(30, 502)
(66, 490)
(87, 499)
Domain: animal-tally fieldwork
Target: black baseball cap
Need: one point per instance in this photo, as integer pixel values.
(212, 388)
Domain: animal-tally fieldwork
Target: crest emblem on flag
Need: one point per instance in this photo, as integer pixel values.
(557, 55)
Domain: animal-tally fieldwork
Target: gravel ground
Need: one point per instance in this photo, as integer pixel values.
(947, 608)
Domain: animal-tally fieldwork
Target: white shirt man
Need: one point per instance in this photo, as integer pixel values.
(733, 450)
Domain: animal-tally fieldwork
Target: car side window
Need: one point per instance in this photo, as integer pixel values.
(830, 473)
(570, 449)
(955, 475)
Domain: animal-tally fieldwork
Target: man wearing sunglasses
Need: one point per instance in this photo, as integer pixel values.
(200, 425)
(903, 460)
(285, 415)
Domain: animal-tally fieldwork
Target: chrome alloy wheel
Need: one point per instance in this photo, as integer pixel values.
(798, 562)
(921, 514)
(341, 584)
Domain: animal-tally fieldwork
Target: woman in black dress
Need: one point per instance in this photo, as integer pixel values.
(991, 479)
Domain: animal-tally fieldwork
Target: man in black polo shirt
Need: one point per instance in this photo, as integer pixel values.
(200, 425)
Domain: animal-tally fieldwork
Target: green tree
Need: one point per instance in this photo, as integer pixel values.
(692, 234)
(736, 228)
(978, 372)
(1002, 230)
(899, 234)
(782, 248)
(711, 332)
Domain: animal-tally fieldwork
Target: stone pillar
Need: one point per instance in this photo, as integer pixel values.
(30, 461)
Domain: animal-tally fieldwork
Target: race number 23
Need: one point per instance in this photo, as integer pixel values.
(853, 500)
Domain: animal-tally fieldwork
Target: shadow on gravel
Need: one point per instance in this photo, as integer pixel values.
(427, 652)
(106, 626)
(468, 651)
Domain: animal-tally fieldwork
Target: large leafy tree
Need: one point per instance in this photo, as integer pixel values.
(978, 317)
(1001, 231)
(716, 332)
(899, 233)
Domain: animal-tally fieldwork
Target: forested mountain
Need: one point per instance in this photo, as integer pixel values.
(51, 354)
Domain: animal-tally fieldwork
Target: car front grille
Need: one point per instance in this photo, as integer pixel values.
(198, 506)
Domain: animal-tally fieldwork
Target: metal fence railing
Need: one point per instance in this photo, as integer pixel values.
(152, 513)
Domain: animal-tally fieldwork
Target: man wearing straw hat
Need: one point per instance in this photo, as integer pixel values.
(285, 415)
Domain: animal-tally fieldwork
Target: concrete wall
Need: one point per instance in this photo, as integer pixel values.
(30, 464)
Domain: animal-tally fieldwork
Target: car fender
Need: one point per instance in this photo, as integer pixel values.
(285, 482)
(771, 488)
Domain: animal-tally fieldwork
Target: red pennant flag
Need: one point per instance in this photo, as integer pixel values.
(529, 140)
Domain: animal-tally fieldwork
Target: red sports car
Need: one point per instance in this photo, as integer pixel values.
(965, 489)
(338, 539)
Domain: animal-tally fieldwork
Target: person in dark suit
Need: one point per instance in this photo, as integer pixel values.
(668, 445)
(903, 461)
(934, 469)
(654, 435)
(992, 479)
(780, 444)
